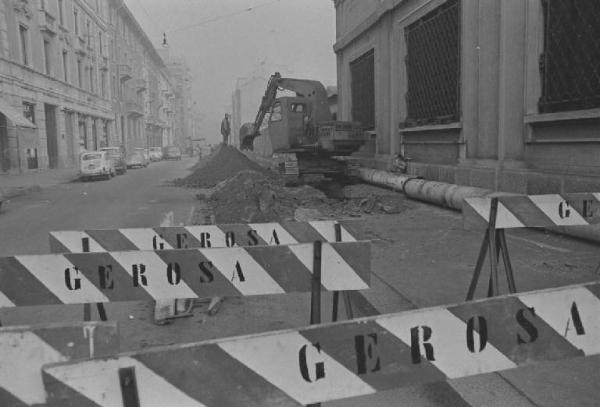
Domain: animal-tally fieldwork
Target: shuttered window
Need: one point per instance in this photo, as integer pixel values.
(362, 72)
(433, 67)
(570, 64)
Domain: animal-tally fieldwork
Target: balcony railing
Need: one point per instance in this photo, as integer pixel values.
(125, 72)
(47, 22)
(140, 85)
(134, 108)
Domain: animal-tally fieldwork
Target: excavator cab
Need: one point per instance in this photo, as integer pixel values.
(291, 125)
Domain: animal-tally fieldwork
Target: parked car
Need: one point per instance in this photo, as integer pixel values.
(146, 154)
(96, 164)
(117, 154)
(171, 153)
(156, 153)
(136, 159)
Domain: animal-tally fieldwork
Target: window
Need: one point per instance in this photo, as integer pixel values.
(76, 20)
(79, 74)
(61, 12)
(298, 107)
(362, 86)
(569, 64)
(65, 62)
(433, 67)
(43, 4)
(91, 75)
(24, 39)
(103, 84)
(88, 33)
(47, 57)
(276, 112)
(29, 111)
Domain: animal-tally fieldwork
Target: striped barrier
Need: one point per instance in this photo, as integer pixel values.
(520, 211)
(204, 236)
(335, 361)
(496, 214)
(73, 278)
(25, 349)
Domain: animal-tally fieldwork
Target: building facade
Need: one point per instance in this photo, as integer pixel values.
(78, 75)
(143, 99)
(500, 94)
(53, 69)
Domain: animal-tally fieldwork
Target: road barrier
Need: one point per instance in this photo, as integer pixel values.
(25, 349)
(334, 361)
(202, 236)
(517, 211)
(72, 278)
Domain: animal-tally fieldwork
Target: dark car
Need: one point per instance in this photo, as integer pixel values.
(171, 153)
(117, 155)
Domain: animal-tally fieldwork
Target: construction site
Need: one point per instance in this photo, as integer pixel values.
(423, 233)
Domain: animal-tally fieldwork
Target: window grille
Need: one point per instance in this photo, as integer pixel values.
(362, 71)
(570, 63)
(433, 67)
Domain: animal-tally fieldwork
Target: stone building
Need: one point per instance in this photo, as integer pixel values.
(143, 97)
(501, 94)
(53, 71)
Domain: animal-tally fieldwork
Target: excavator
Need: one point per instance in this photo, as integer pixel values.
(304, 137)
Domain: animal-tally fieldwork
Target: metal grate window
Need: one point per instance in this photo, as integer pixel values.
(433, 67)
(362, 71)
(570, 64)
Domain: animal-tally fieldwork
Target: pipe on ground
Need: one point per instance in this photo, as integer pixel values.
(452, 196)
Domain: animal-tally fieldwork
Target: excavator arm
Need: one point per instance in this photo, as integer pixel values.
(313, 90)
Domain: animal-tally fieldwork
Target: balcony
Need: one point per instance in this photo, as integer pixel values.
(103, 63)
(80, 46)
(133, 108)
(47, 22)
(125, 72)
(140, 85)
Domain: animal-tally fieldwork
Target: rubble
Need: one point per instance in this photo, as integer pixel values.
(244, 192)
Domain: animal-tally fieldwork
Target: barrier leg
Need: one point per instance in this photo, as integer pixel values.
(493, 244)
(478, 266)
(510, 277)
(129, 390)
(336, 294)
(315, 298)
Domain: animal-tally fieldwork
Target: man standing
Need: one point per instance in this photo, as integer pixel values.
(225, 129)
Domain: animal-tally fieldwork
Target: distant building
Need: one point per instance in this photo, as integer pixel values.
(80, 75)
(246, 100)
(496, 94)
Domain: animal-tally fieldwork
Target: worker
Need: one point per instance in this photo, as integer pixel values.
(225, 129)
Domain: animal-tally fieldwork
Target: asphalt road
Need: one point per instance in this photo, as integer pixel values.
(141, 197)
(421, 257)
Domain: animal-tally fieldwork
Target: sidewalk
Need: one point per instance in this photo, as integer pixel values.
(13, 185)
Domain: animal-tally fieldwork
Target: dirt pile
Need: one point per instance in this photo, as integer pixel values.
(223, 164)
(252, 196)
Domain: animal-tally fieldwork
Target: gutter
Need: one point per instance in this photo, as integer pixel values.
(452, 196)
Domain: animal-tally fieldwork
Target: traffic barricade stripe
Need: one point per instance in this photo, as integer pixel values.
(145, 239)
(47, 269)
(191, 273)
(25, 349)
(274, 233)
(199, 236)
(520, 211)
(333, 361)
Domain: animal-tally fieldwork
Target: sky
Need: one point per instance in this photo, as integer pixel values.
(223, 40)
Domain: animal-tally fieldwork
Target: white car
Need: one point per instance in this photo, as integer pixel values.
(96, 164)
(156, 153)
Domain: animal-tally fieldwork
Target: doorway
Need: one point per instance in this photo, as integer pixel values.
(4, 148)
(51, 135)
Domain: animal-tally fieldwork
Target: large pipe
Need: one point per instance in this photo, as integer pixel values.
(439, 193)
(452, 196)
